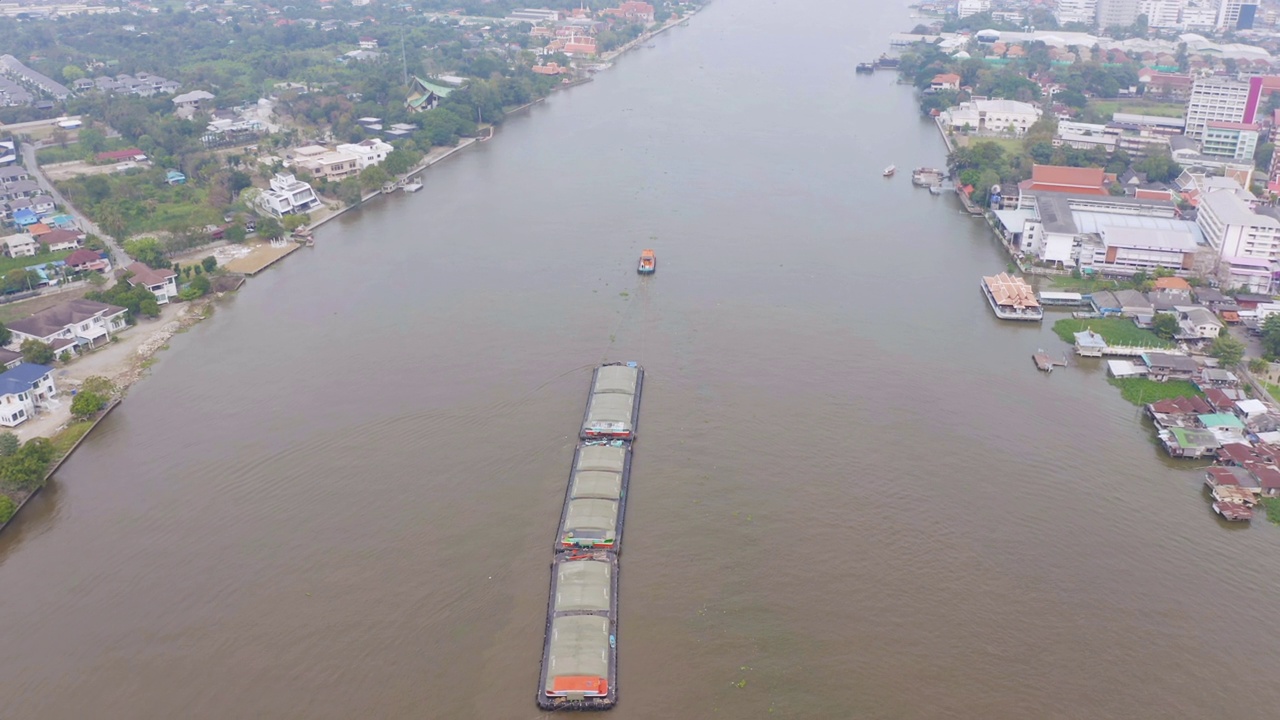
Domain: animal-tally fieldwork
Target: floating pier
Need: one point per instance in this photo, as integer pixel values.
(1046, 363)
(580, 647)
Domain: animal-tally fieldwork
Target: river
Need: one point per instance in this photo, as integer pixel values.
(853, 494)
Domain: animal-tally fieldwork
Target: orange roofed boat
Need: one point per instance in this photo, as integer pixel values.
(648, 262)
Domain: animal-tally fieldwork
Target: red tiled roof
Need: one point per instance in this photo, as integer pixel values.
(1181, 406)
(59, 236)
(147, 276)
(1172, 283)
(1082, 180)
(120, 154)
(83, 256)
(950, 78)
(1149, 194)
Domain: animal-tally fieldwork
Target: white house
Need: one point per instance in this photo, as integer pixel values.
(162, 283)
(77, 323)
(23, 390)
(287, 196)
(992, 116)
(20, 245)
(367, 152)
(1197, 323)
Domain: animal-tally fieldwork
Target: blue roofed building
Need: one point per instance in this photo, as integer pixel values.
(24, 391)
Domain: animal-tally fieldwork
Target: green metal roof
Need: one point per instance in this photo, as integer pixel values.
(1221, 420)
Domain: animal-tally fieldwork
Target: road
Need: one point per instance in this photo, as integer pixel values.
(118, 257)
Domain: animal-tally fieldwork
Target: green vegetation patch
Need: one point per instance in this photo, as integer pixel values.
(68, 437)
(1116, 331)
(1272, 506)
(134, 202)
(1141, 391)
(8, 263)
(1107, 108)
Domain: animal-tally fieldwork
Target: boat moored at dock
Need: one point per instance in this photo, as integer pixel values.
(866, 68)
(579, 660)
(413, 187)
(1011, 298)
(927, 177)
(613, 407)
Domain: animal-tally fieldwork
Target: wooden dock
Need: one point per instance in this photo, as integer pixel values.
(261, 257)
(1045, 363)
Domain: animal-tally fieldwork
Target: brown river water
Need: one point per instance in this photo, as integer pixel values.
(853, 495)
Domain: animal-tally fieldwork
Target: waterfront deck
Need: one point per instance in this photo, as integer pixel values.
(1046, 363)
(260, 257)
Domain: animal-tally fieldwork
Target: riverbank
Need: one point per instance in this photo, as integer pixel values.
(124, 361)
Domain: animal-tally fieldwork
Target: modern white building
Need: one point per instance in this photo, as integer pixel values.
(1215, 98)
(1161, 13)
(992, 116)
(1235, 230)
(287, 196)
(1110, 13)
(1234, 140)
(1126, 249)
(367, 152)
(965, 8)
(1080, 11)
(1231, 11)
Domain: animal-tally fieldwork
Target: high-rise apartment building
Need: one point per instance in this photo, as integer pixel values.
(1112, 13)
(1081, 11)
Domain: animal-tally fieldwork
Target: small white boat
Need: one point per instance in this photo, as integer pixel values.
(413, 187)
(889, 171)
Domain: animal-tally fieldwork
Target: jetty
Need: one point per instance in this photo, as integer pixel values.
(1046, 363)
(580, 646)
(1011, 298)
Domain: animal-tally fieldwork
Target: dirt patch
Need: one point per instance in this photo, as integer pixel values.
(254, 258)
(67, 170)
(25, 308)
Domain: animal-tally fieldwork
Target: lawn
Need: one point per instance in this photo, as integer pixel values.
(68, 437)
(1141, 391)
(8, 263)
(1087, 284)
(1116, 331)
(1272, 389)
(1138, 107)
(1011, 146)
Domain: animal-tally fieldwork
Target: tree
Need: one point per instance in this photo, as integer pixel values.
(5, 335)
(26, 468)
(1271, 337)
(234, 234)
(293, 222)
(349, 191)
(86, 404)
(208, 264)
(71, 73)
(1165, 325)
(1227, 349)
(1257, 366)
(8, 444)
(7, 508)
(99, 385)
(149, 307)
(373, 177)
(147, 251)
(35, 351)
(270, 228)
(93, 141)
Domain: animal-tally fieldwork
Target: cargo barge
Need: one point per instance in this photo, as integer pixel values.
(580, 646)
(613, 406)
(595, 503)
(580, 657)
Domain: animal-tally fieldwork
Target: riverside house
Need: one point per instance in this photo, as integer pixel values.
(24, 390)
(72, 324)
(162, 283)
